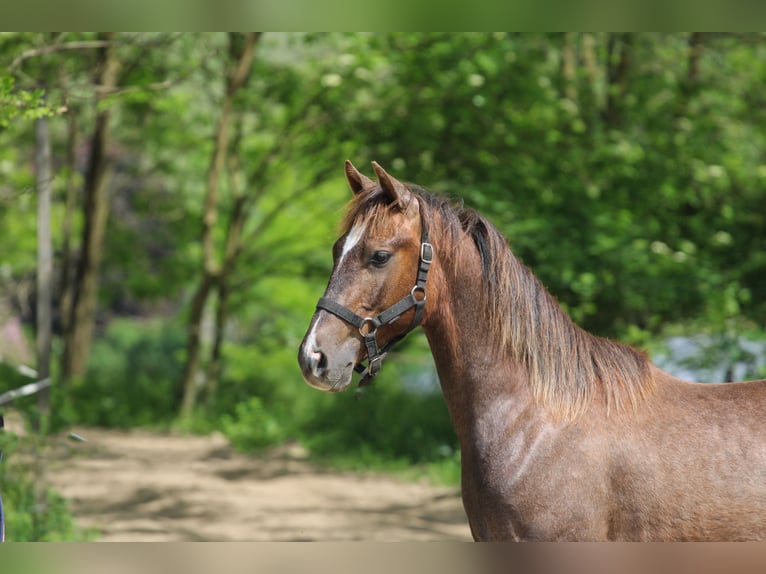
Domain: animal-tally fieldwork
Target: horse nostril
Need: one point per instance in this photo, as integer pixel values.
(318, 363)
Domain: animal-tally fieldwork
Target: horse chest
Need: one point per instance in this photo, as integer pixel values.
(533, 485)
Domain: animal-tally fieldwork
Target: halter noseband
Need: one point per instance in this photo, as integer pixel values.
(368, 326)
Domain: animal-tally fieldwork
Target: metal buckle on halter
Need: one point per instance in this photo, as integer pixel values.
(426, 253)
(374, 324)
(374, 365)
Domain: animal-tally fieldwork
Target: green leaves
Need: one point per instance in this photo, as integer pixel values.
(627, 222)
(637, 216)
(21, 104)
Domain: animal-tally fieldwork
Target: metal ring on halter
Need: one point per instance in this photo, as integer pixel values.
(373, 329)
(421, 289)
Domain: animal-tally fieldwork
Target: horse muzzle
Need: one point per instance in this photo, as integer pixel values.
(331, 373)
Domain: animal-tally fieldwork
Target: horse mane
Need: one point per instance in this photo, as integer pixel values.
(567, 366)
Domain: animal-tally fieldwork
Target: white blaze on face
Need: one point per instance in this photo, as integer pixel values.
(353, 237)
(310, 345)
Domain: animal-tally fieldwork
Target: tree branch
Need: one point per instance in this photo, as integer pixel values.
(52, 48)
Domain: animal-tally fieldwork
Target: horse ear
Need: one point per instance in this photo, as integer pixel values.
(357, 180)
(393, 187)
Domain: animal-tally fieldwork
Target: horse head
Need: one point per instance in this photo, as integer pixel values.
(376, 292)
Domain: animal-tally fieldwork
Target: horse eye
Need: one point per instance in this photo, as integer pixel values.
(380, 258)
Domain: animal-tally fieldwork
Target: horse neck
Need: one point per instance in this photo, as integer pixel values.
(476, 373)
(503, 340)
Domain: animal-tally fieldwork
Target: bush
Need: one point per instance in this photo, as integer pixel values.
(31, 515)
(252, 427)
(261, 400)
(388, 426)
(386, 422)
(132, 378)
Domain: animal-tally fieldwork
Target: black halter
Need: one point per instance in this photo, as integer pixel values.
(368, 326)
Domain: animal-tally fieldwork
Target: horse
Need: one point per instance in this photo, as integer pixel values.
(563, 435)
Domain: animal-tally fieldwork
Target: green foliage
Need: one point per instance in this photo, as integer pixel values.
(10, 379)
(253, 427)
(611, 193)
(636, 196)
(262, 399)
(383, 427)
(32, 515)
(132, 378)
(714, 355)
(21, 104)
(386, 423)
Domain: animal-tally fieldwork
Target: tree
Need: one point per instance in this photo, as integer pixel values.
(593, 155)
(626, 170)
(44, 291)
(77, 340)
(240, 58)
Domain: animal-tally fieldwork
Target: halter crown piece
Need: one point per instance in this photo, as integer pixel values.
(368, 326)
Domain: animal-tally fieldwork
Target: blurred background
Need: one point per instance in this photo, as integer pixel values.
(168, 204)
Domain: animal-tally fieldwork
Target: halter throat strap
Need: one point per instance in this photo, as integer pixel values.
(368, 326)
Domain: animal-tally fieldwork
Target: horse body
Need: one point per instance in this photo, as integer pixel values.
(563, 435)
(688, 464)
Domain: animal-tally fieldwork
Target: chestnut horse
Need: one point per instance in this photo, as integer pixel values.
(563, 435)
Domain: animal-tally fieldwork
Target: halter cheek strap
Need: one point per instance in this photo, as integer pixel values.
(368, 326)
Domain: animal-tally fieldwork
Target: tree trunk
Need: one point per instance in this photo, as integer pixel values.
(233, 248)
(44, 296)
(95, 211)
(241, 52)
(66, 278)
(619, 52)
(690, 84)
(191, 378)
(695, 53)
(214, 366)
(591, 97)
(569, 66)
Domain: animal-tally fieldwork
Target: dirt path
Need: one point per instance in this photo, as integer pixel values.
(142, 486)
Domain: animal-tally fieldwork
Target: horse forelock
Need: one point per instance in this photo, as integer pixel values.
(369, 205)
